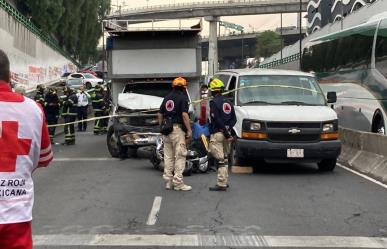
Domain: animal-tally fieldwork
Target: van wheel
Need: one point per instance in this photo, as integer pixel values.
(234, 159)
(327, 165)
(114, 147)
(378, 125)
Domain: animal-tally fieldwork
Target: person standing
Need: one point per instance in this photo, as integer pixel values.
(175, 126)
(69, 114)
(223, 119)
(98, 104)
(52, 110)
(83, 105)
(24, 146)
(39, 96)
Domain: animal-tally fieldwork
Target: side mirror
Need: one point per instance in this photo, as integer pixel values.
(332, 97)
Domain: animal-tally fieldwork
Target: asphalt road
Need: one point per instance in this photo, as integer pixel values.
(86, 199)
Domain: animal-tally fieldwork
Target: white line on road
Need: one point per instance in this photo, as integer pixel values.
(160, 240)
(85, 159)
(152, 218)
(364, 176)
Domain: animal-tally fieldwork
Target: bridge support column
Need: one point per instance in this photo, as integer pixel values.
(213, 45)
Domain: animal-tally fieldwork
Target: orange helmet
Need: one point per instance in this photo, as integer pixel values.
(179, 82)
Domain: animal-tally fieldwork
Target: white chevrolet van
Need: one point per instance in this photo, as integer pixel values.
(283, 116)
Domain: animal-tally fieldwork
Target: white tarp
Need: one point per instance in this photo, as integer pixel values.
(154, 61)
(134, 101)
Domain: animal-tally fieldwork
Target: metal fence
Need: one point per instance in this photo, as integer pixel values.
(282, 61)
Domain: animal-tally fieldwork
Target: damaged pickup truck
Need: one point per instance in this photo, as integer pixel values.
(135, 123)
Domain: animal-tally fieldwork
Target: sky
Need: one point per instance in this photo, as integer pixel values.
(250, 23)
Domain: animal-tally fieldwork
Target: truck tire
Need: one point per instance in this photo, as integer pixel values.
(327, 165)
(114, 147)
(234, 159)
(132, 152)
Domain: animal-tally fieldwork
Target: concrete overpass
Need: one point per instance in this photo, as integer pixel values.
(236, 48)
(211, 8)
(211, 11)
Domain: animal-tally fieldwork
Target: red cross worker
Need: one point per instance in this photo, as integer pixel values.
(24, 146)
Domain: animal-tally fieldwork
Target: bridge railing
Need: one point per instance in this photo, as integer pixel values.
(275, 63)
(196, 4)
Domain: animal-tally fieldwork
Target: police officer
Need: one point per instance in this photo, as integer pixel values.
(175, 125)
(223, 119)
(98, 103)
(83, 105)
(52, 110)
(69, 114)
(39, 97)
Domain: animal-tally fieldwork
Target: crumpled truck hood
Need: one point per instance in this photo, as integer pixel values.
(134, 101)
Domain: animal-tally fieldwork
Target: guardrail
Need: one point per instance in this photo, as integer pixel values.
(202, 3)
(35, 30)
(282, 61)
(364, 152)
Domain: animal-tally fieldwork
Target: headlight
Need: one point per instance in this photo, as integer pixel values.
(330, 127)
(254, 126)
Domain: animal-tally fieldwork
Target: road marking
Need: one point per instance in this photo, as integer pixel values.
(85, 159)
(364, 176)
(153, 215)
(210, 241)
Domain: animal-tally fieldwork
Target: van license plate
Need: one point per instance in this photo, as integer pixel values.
(295, 153)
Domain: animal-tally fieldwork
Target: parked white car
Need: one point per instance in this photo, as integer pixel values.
(90, 80)
(282, 116)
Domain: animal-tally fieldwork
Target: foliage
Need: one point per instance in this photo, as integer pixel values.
(75, 24)
(268, 43)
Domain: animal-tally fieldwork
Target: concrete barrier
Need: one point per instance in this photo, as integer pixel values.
(364, 152)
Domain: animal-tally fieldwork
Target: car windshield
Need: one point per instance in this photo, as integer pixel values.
(89, 76)
(279, 90)
(154, 89)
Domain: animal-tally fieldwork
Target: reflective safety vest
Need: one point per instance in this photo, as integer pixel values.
(24, 146)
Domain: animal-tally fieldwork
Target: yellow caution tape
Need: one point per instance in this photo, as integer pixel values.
(192, 102)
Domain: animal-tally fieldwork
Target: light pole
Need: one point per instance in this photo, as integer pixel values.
(300, 33)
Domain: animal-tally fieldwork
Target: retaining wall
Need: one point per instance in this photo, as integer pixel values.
(365, 152)
(35, 58)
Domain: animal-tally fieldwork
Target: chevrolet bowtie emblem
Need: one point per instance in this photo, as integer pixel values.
(294, 131)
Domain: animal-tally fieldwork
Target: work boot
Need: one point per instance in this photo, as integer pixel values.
(169, 185)
(183, 187)
(218, 188)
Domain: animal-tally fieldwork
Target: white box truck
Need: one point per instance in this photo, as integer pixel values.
(142, 62)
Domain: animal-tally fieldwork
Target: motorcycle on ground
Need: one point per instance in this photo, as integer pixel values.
(196, 162)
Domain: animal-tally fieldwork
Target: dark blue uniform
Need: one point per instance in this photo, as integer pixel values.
(174, 104)
(222, 116)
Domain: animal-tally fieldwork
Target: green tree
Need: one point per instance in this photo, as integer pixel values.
(268, 43)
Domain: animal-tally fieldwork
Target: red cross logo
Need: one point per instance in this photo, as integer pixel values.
(227, 108)
(11, 146)
(170, 105)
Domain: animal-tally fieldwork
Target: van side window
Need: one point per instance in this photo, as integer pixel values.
(381, 49)
(223, 77)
